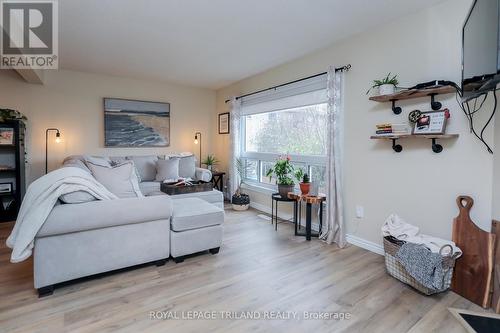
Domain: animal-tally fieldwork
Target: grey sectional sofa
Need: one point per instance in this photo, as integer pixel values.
(87, 238)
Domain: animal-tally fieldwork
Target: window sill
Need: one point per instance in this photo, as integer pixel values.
(259, 189)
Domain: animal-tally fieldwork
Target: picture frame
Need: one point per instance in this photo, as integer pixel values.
(431, 123)
(136, 123)
(6, 188)
(224, 123)
(6, 136)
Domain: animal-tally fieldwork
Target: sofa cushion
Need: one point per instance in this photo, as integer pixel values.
(213, 197)
(150, 188)
(99, 214)
(194, 213)
(167, 170)
(187, 166)
(77, 197)
(98, 160)
(119, 180)
(146, 165)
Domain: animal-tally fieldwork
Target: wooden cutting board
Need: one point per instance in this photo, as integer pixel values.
(472, 277)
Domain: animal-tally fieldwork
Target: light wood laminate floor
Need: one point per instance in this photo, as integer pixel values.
(257, 270)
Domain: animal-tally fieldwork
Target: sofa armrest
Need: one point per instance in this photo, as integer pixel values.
(203, 174)
(99, 214)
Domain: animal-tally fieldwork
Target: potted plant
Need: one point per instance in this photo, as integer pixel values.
(304, 181)
(210, 161)
(283, 170)
(239, 200)
(386, 86)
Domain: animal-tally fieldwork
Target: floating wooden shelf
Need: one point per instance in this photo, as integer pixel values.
(414, 93)
(437, 148)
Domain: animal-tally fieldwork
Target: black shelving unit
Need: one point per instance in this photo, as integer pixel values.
(12, 170)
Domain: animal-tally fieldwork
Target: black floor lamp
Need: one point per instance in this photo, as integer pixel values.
(58, 140)
(197, 140)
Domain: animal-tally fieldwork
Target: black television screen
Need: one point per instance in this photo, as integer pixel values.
(481, 48)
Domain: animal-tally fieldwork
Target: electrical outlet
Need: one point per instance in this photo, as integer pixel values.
(360, 212)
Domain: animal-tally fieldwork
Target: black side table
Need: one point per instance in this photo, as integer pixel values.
(274, 207)
(218, 180)
(309, 200)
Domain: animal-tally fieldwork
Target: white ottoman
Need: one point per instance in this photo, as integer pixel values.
(196, 226)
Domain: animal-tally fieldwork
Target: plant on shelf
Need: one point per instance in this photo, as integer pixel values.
(8, 114)
(283, 170)
(304, 181)
(239, 200)
(210, 161)
(386, 86)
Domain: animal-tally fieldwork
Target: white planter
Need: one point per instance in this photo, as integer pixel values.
(386, 89)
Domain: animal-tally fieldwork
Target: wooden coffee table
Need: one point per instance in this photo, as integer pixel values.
(309, 200)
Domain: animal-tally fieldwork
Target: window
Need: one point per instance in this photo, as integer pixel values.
(291, 120)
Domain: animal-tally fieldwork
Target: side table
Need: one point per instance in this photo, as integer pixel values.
(276, 197)
(218, 180)
(309, 200)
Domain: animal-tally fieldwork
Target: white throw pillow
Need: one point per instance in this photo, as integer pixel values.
(167, 169)
(187, 167)
(120, 180)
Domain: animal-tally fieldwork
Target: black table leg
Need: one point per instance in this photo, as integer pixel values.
(295, 219)
(272, 211)
(320, 217)
(300, 214)
(276, 217)
(308, 221)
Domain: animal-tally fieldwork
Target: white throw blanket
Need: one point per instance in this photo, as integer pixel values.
(41, 197)
(396, 227)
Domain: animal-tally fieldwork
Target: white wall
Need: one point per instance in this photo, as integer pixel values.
(418, 184)
(73, 102)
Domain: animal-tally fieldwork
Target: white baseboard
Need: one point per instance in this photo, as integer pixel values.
(267, 209)
(363, 243)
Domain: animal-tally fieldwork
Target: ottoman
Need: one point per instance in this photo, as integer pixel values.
(195, 226)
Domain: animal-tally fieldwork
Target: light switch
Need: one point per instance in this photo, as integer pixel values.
(360, 212)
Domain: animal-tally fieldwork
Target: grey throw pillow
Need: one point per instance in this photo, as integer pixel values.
(167, 169)
(98, 160)
(77, 197)
(119, 180)
(187, 166)
(146, 166)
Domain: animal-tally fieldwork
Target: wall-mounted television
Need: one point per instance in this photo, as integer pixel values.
(481, 49)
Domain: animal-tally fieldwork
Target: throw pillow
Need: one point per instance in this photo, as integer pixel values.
(119, 180)
(146, 165)
(167, 170)
(98, 160)
(187, 167)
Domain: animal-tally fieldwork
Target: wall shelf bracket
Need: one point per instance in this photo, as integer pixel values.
(436, 147)
(397, 148)
(396, 109)
(435, 105)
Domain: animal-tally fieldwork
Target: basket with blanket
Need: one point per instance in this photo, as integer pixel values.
(421, 261)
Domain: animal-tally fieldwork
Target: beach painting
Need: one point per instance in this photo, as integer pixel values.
(130, 123)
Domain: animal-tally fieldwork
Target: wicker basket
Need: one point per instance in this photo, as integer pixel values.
(395, 269)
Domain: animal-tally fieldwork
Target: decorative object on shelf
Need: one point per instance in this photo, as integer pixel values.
(432, 122)
(57, 140)
(437, 148)
(386, 86)
(197, 141)
(304, 181)
(6, 136)
(389, 129)
(414, 115)
(8, 114)
(210, 161)
(6, 188)
(131, 123)
(283, 170)
(240, 200)
(224, 121)
(414, 93)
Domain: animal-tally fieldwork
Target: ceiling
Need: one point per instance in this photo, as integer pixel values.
(208, 43)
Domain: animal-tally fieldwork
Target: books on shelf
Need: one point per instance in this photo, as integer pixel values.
(389, 129)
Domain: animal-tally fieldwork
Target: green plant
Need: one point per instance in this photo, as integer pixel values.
(283, 170)
(386, 80)
(8, 114)
(299, 174)
(210, 160)
(305, 179)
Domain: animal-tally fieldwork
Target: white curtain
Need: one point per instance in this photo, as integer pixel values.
(235, 146)
(334, 230)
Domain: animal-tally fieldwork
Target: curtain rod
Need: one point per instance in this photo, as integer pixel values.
(339, 69)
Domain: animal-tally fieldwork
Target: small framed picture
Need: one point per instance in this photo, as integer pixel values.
(6, 136)
(6, 188)
(432, 122)
(224, 123)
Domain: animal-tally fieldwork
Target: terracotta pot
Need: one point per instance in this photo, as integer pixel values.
(304, 188)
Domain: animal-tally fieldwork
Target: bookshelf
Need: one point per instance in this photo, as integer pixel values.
(12, 168)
